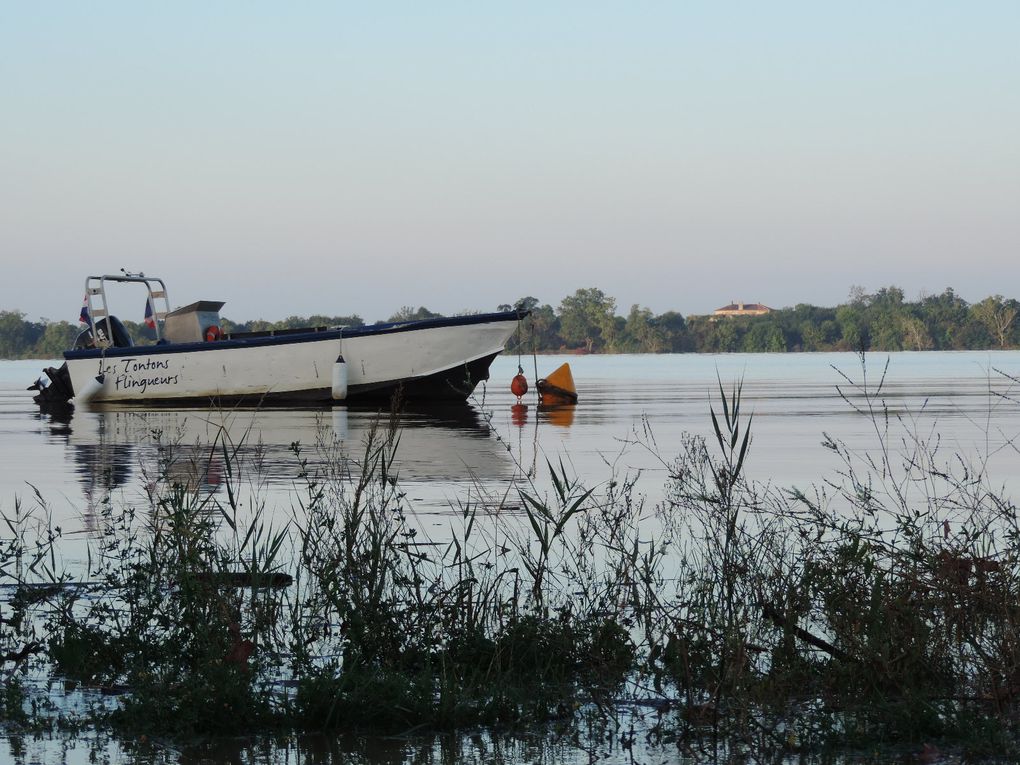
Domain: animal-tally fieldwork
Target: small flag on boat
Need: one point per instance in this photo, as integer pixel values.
(84, 317)
(150, 320)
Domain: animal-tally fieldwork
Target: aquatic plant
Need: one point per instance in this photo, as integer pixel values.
(29, 573)
(443, 634)
(180, 612)
(881, 604)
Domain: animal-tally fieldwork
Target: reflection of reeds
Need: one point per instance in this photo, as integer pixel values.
(883, 604)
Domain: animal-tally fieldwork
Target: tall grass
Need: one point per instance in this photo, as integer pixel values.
(164, 618)
(880, 606)
(408, 631)
(27, 566)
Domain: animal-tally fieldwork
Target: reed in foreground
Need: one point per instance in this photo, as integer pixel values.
(881, 605)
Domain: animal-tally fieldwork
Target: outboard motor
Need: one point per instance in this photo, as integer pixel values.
(56, 392)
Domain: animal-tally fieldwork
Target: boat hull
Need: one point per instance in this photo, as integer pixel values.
(439, 360)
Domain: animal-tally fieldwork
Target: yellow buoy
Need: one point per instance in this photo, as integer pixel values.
(558, 388)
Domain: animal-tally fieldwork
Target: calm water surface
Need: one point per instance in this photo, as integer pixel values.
(483, 450)
(450, 454)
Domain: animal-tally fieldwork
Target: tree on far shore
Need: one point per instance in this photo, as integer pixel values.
(997, 315)
(588, 318)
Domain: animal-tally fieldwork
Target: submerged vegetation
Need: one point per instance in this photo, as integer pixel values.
(883, 605)
(587, 321)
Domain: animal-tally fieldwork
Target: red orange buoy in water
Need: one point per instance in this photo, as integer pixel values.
(519, 385)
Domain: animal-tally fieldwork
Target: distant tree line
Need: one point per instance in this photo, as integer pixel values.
(587, 321)
(882, 321)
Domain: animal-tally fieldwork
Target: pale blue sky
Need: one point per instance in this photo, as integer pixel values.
(353, 158)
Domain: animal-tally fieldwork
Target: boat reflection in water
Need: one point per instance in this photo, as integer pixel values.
(125, 449)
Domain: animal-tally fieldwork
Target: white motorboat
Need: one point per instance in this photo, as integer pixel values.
(194, 361)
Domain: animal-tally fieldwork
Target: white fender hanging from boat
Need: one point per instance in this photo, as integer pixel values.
(339, 379)
(91, 389)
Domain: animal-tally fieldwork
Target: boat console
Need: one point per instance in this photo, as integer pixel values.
(193, 323)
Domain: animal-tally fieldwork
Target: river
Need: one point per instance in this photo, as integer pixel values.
(628, 403)
(632, 416)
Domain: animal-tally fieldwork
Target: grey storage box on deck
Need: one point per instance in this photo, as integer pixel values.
(188, 324)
